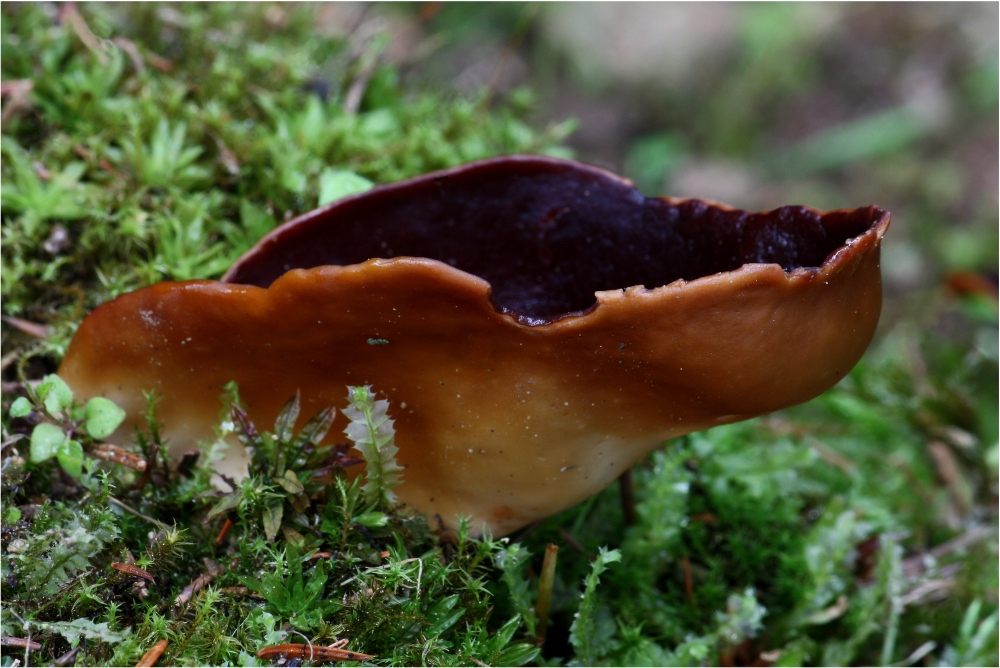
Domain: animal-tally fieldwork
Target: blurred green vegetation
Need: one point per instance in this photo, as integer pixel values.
(156, 142)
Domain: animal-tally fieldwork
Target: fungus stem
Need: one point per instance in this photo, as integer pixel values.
(545, 583)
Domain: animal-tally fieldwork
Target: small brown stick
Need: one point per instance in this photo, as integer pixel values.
(573, 542)
(159, 62)
(311, 653)
(967, 539)
(150, 463)
(545, 583)
(949, 472)
(129, 47)
(367, 59)
(12, 86)
(68, 657)
(830, 613)
(226, 156)
(196, 585)
(240, 590)
(153, 655)
(9, 387)
(356, 92)
(22, 643)
(9, 359)
(929, 590)
(628, 497)
(70, 14)
(688, 580)
(528, 530)
(226, 526)
(129, 569)
(135, 512)
(971, 283)
(33, 329)
(119, 455)
(831, 456)
(18, 92)
(918, 654)
(768, 658)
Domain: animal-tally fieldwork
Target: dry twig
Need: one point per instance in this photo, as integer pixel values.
(135, 512)
(8, 641)
(34, 329)
(18, 94)
(212, 571)
(311, 653)
(119, 455)
(135, 571)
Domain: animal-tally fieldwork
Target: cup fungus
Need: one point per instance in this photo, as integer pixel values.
(538, 324)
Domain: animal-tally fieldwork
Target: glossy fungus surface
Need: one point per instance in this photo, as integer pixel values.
(538, 326)
(547, 234)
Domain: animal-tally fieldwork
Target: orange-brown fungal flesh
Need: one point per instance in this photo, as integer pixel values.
(507, 411)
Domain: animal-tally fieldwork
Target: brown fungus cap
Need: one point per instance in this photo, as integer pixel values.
(505, 316)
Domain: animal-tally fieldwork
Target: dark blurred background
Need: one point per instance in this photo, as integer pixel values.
(752, 104)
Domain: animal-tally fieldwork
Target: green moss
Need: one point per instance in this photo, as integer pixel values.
(150, 175)
(802, 536)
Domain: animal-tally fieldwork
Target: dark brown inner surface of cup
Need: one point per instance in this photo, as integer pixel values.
(548, 234)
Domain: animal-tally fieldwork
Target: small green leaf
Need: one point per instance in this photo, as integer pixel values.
(83, 627)
(583, 633)
(335, 184)
(290, 482)
(226, 503)
(102, 417)
(39, 392)
(13, 515)
(293, 536)
(372, 519)
(316, 429)
(45, 441)
(443, 616)
(59, 395)
(373, 435)
(70, 456)
(286, 418)
(272, 520)
(20, 407)
(518, 655)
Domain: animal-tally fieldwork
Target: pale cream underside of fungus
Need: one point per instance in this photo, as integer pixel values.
(496, 420)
